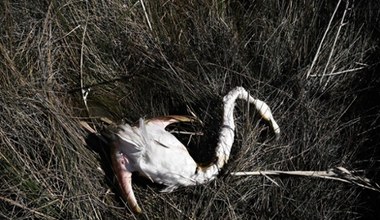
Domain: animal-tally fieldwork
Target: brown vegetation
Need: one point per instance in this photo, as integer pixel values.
(315, 63)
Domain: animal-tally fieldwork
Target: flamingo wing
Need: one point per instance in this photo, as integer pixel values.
(154, 129)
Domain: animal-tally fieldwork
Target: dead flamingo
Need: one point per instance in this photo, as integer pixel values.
(158, 155)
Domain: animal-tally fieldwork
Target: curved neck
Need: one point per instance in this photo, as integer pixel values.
(227, 132)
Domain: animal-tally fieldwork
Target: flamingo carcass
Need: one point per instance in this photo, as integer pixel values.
(158, 155)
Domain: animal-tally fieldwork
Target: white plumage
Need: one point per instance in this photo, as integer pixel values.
(158, 155)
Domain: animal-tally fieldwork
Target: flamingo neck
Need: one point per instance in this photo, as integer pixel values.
(227, 132)
(226, 137)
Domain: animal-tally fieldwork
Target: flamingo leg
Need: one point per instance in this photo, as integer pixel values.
(124, 176)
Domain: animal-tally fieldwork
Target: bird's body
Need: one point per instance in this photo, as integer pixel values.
(158, 155)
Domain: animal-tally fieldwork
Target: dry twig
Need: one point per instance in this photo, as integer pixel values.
(339, 174)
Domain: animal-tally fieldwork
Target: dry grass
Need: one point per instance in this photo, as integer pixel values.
(317, 71)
